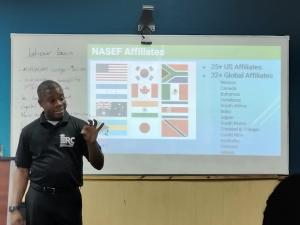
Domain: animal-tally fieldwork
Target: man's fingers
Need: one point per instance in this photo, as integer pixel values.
(95, 122)
(83, 129)
(101, 125)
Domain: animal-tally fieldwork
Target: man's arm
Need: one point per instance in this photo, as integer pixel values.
(90, 133)
(96, 157)
(20, 182)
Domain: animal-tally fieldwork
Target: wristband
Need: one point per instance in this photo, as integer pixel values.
(13, 208)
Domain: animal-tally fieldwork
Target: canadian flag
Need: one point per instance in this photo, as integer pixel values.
(144, 90)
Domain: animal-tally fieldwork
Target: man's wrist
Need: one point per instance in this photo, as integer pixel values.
(13, 208)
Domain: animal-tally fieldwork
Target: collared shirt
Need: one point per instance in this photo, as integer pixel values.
(53, 153)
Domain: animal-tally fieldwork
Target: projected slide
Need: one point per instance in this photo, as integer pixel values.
(187, 99)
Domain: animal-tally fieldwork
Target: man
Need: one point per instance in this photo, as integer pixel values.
(49, 154)
(283, 204)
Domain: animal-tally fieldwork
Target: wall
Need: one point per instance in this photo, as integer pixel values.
(157, 200)
(178, 202)
(230, 17)
(4, 180)
(162, 202)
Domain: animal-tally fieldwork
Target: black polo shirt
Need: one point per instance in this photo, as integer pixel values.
(53, 154)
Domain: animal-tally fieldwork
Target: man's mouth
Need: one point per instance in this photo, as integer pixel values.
(59, 111)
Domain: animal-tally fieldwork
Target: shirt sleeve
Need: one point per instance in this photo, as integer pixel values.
(84, 148)
(23, 155)
(82, 144)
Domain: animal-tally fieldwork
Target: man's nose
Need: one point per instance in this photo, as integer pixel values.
(59, 102)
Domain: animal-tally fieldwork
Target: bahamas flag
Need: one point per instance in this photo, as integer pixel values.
(114, 128)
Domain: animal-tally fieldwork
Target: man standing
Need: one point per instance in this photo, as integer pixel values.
(49, 154)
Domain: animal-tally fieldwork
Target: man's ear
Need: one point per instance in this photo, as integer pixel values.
(40, 103)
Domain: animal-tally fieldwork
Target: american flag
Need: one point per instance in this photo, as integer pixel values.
(111, 72)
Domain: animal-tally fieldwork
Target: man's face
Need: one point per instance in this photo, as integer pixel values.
(53, 102)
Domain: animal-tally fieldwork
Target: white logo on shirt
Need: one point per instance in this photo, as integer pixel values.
(66, 141)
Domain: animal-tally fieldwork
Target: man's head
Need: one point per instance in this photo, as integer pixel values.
(52, 99)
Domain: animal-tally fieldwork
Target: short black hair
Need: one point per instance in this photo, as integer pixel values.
(46, 85)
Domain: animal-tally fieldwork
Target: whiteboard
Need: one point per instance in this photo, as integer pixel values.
(63, 58)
